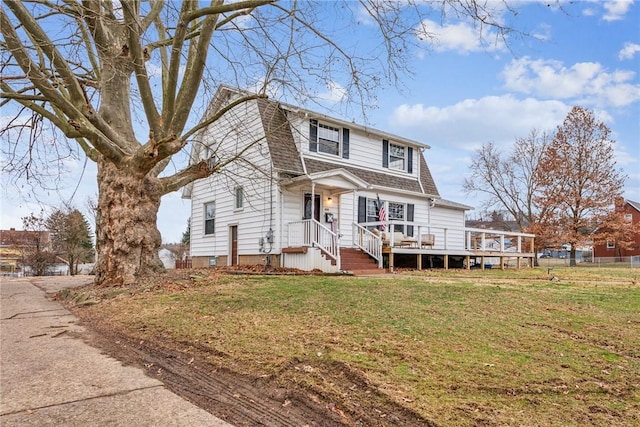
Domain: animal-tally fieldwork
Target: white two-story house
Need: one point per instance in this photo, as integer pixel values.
(303, 190)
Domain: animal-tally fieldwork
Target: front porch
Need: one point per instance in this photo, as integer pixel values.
(426, 247)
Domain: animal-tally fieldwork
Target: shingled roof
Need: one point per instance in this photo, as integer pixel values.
(277, 129)
(378, 179)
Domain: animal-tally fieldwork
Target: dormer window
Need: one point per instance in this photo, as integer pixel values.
(328, 139)
(396, 156)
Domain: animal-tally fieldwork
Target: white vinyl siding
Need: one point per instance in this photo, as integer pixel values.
(258, 214)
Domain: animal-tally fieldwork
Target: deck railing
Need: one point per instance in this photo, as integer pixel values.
(310, 232)
(451, 238)
(368, 242)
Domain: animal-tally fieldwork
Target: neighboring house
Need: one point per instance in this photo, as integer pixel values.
(311, 191)
(16, 244)
(610, 249)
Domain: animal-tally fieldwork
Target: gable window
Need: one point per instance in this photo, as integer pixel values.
(239, 196)
(324, 138)
(209, 218)
(628, 217)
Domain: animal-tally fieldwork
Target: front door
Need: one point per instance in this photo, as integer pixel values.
(307, 207)
(233, 232)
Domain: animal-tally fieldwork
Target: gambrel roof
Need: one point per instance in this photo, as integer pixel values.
(288, 161)
(286, 157)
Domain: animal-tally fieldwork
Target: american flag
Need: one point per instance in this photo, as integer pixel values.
(382, 214)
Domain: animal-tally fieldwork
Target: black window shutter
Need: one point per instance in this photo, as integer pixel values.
(345, 143)
(362, 209)
(313, 135)
(385, 153)
(410, 208)
(410, 159)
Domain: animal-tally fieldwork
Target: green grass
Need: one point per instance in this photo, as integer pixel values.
(460, 348)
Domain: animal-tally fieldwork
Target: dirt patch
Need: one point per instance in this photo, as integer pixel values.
(280, 400)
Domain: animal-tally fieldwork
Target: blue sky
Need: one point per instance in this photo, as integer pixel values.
(463, 94)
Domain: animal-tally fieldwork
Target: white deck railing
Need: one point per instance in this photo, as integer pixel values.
(367, 242)
(451, 238)
(310, 232)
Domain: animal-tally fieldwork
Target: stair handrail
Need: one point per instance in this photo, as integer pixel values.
(367, 242)
(326, 240)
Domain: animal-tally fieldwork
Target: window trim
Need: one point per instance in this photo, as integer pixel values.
(206, 220)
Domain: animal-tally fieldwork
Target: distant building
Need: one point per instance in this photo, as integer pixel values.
(631, 211)
(15, 244)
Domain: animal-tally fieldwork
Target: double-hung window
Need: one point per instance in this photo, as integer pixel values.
(372, 210)
(397, 155)
(396, 213)
(209, 218)
(324, 138)
(328, 139)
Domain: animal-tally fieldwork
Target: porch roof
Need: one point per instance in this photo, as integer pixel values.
(331, 178)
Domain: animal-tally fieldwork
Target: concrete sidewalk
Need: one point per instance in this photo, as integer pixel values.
(49, 377)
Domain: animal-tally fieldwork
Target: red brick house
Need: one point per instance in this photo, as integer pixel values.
(610, 249)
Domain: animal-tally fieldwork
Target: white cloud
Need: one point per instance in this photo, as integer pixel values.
(629, 51)
(585, 82)
(472, 122)
(616, 9)
(335, 93)
(460, 37)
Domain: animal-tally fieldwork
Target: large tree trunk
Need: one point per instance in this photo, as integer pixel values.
(127, 236)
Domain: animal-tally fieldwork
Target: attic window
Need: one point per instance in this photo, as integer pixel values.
(628, 217)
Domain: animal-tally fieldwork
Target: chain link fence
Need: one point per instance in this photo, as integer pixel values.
(624, 262)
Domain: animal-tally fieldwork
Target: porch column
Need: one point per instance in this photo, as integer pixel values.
(313, 199)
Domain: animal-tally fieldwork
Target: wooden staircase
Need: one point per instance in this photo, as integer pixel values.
(358, 262)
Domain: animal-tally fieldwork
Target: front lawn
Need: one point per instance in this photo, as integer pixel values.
(457, 347)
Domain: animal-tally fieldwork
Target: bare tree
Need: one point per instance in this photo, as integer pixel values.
(126, 83)
(36, 253)
(578, 182)
(507, 178)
